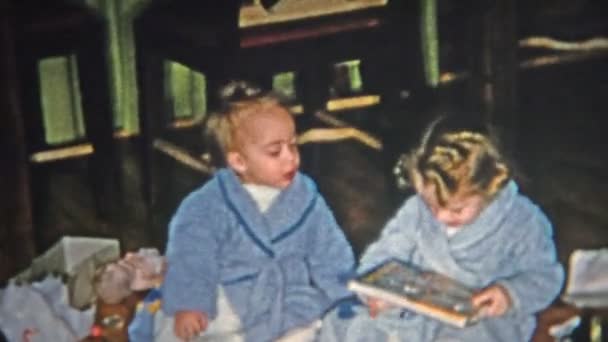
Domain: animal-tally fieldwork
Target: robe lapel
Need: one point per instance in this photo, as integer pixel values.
(280, 220)
(436, 250)
(489, 220)
(240, 202)
(291, 208)
(441, 253)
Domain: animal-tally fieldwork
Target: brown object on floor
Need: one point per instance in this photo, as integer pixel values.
(114, 319)
(555, 314)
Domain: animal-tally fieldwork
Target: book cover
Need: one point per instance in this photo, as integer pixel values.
(424, 292)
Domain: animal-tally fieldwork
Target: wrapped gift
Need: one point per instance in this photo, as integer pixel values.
(77, 258)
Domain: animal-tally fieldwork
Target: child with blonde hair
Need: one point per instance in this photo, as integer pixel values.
(255, 254)
(467, 220)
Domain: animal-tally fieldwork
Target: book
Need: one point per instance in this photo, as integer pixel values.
(424, 292)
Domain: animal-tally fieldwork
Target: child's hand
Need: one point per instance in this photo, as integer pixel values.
(376, 306)
(188, 324)
(492, 301)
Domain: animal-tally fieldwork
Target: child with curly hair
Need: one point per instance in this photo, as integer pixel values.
(467, 220)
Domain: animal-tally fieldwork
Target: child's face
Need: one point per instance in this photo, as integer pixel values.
(458, 211)
(267, 153)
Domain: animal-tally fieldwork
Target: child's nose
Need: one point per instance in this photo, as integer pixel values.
(292, 154)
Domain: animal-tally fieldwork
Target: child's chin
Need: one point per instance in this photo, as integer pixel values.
(279, 184)
(284, 184)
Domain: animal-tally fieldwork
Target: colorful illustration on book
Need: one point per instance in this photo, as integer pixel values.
(425, 292)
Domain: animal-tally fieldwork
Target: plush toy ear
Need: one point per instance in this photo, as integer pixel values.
(236, 162)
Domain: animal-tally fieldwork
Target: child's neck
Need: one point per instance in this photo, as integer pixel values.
(451, 231)
(263, 195)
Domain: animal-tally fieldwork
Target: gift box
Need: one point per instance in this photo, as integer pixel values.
(76, 258)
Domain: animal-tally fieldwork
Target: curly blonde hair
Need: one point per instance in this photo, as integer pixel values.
(457, 161)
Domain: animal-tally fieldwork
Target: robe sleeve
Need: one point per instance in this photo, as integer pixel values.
(540, 276)
(331, 260)
(397, 239)
(192, 249)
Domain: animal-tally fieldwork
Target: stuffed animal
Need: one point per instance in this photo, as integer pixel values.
(134, 272)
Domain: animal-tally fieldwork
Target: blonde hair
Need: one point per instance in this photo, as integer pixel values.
(239, 101)
(457, 162)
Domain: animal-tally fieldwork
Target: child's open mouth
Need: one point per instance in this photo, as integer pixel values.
(290, 175)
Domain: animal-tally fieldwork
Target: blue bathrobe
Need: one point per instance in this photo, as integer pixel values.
(510, 244)
(280, 270)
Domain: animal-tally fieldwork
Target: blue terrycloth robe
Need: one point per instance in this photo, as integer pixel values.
(510, 243)
(280, 270)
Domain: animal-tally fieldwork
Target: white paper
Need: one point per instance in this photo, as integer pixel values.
(40, 313)
(588, 278)
(56, 295)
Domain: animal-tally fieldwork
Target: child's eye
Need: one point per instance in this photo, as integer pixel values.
(274, 153)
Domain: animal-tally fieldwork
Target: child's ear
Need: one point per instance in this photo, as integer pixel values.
(236, 162)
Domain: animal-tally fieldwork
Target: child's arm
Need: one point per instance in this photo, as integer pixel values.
(397, 239)
(540, 276)
(192, 252)
(331, 257)
(189, 324)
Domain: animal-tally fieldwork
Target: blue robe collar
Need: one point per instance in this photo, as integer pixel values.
(439, 249)
(284, 216)
(489, 219)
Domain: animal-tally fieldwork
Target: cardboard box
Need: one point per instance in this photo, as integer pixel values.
(77, 258)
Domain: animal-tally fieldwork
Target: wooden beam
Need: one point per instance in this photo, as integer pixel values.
(494, 67)
(17, 244)
(184, 157)
(565, 52)
(591, 44)
(324, 135)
